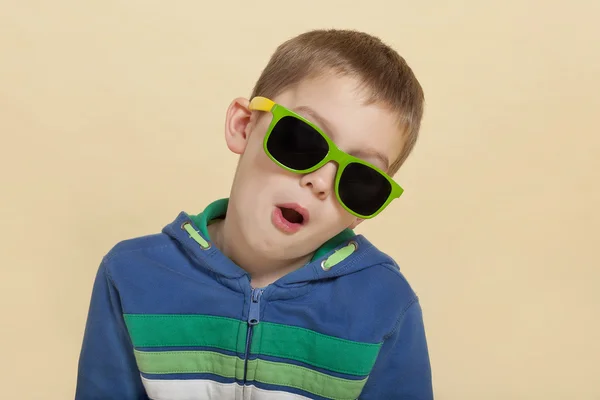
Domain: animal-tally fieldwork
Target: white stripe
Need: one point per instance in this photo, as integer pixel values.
(202, 389)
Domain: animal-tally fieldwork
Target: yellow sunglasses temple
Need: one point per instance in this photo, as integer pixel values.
(260, 103)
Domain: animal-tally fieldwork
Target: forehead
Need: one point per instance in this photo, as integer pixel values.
(336, 105)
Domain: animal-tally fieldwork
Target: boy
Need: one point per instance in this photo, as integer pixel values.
(269, 294)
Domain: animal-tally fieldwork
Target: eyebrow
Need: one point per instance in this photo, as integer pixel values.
(363, 153)
(373, 153)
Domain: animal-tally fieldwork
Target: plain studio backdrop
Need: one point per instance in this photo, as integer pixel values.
(111, 120)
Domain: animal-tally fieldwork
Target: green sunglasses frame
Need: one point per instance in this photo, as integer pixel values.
(342, 158)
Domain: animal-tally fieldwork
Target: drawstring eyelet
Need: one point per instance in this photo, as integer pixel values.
(339, 255)
(204, 245)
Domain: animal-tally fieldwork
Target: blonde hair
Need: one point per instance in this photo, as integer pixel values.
(382, 71)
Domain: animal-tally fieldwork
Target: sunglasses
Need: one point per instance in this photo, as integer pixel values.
(297, 145)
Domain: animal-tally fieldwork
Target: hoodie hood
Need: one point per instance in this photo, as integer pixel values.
(343, 254)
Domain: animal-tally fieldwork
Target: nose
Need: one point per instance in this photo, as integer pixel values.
(321, 180)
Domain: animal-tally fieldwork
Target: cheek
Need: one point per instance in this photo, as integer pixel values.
(257, 170)
(339, 216)
(254, 156)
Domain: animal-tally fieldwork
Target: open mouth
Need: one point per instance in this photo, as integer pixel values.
(291, 215)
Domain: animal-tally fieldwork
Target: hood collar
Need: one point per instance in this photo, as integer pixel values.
(345, 253)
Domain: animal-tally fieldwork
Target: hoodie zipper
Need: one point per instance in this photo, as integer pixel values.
(253, 319)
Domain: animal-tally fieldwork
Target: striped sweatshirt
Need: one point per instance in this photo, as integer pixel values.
(172, 318)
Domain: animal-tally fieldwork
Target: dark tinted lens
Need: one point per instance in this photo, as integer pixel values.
(362, 189)
(296, 144)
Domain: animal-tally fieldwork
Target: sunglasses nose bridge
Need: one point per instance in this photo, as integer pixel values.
(321, 181)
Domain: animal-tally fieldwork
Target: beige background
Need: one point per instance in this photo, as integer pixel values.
(111, 120)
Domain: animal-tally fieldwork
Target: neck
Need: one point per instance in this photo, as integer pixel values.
(263, 269)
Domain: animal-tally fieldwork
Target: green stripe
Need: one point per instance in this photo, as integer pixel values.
(190, 362)
(276, 340)
(274, 373)
(168, 330)
(313, 348)
(304, 379)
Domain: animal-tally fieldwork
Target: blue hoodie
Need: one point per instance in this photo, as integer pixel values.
(171, 317)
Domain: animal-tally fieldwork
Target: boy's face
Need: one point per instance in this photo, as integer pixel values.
(261, 187)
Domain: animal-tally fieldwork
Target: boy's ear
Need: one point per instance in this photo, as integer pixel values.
(237, 125)
(355, 223)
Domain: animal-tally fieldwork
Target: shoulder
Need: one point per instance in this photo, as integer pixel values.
(135, 245)
(375, 300)
(127, 256)
(398, 296)
(382, 273)
(387, 279)
(386, 286)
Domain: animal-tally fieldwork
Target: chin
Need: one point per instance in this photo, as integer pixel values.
(266, 242)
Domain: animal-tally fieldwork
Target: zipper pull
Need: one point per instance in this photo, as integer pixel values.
(254, 313)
